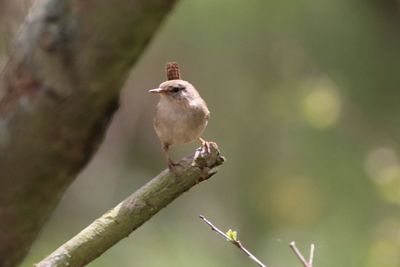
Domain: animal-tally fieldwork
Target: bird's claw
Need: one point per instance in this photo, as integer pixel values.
(205, 146)
(172, 165)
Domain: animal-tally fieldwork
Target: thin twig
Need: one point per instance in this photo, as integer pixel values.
(310, 261)
(300, 256)
(237, 243)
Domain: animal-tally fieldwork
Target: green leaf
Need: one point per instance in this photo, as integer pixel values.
(232, 235)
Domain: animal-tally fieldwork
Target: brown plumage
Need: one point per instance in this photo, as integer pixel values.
(181, 114)
(172, 71)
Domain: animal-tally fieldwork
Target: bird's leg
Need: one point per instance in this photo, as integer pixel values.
(170, 162)
(205, 145)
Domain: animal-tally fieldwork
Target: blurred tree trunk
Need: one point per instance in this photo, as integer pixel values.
(58, 92)
(12, 13)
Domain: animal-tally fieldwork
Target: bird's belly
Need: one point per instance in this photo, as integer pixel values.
(179, 127)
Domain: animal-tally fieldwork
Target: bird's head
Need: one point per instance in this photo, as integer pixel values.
(176, 90)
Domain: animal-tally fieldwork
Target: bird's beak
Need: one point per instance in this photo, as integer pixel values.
(156, 91)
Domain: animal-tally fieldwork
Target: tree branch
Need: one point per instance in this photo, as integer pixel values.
(234, 241)
(300, 256)
(231, 236)
(131, 213)
(58, 92)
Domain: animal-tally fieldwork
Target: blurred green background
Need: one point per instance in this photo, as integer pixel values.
(304, 105)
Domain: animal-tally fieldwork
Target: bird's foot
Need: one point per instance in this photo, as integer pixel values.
(172, 165)
(205, 146)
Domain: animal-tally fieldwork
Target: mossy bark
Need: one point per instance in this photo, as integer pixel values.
(131, 213)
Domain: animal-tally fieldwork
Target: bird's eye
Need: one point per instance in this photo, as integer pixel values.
(176, 89)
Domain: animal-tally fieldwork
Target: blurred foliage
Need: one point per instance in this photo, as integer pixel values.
(304, 106)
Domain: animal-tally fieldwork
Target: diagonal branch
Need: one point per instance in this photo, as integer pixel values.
(234, 241)
(131, 213)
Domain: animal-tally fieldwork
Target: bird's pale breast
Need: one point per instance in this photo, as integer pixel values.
(178, 124)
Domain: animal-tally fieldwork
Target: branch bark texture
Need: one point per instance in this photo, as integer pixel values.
(131, 213)
(58, 92)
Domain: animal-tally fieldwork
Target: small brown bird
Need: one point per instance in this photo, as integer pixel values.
(181, 114)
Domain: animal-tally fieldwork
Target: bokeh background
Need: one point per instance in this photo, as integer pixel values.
(305, 106)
